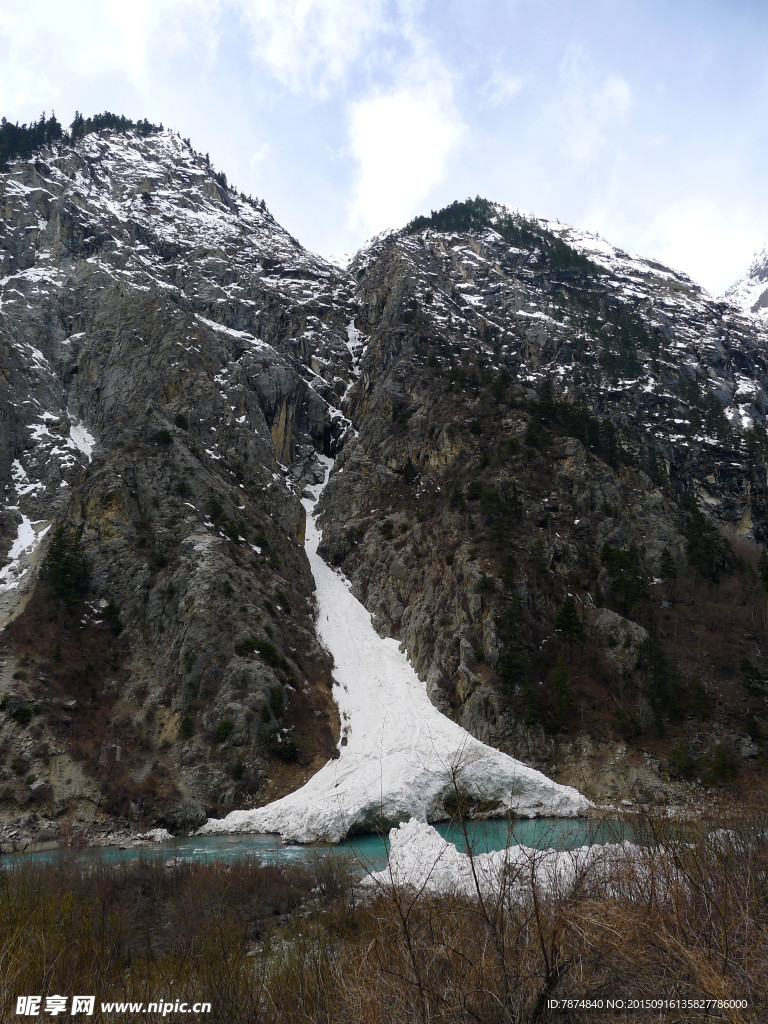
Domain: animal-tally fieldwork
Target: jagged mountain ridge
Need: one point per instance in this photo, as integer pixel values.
(170, 331)
(637, 343)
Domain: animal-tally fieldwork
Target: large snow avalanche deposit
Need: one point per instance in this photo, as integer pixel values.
(401, 758)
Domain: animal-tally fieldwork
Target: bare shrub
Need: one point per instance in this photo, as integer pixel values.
(682, 913)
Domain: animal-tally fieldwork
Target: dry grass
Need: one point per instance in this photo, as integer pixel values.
(686, 918)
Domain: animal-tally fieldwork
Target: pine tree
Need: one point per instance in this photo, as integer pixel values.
(77, 128)
(667, 565)
(568, 621)
(762, 569)
(64, 567)
(53, 130)
(562, 693)
(409, 471)
(709, 553)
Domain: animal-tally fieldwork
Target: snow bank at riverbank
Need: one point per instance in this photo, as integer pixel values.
(421, 860)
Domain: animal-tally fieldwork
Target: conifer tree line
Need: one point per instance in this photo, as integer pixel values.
(21, 141)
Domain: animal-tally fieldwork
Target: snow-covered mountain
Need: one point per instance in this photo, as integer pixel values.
(751, 291)
(537, 437)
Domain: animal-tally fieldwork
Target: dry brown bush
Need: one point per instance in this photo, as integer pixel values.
(682, 915)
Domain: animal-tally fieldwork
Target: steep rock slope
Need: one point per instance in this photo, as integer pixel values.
(169, 353)
(549, 430)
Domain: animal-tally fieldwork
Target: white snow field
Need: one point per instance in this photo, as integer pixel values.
(399, 756)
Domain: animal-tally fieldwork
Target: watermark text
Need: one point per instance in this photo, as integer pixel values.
(53, 1006)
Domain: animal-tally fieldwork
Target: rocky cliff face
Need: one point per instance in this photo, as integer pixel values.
(541, 418)
(548, 434)
(169, 354)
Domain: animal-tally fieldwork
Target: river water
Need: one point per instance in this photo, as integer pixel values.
(366, 852)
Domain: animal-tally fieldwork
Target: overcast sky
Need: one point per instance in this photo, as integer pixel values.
(644, 120)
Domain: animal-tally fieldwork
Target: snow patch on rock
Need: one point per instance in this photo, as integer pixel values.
(82, 439)
(28, 537)
(155, 835)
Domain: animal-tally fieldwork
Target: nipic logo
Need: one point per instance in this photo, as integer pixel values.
(32, 1006)
(29, 1006)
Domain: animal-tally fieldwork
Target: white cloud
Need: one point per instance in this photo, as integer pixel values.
(501, 87)
(311, 44)
(590, 108)
(712, 245)
(65, 43)
(402, 140)
(258, 156)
